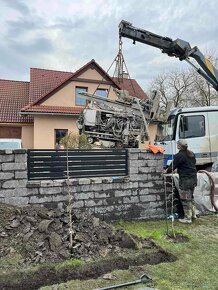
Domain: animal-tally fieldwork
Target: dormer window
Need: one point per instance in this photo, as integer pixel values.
(79, 101)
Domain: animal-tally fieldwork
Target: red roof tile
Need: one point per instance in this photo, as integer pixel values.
(13, 96)
(132, 87)
(54, 109)
(43, 81)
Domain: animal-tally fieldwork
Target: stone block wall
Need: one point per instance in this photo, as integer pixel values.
(140, 195)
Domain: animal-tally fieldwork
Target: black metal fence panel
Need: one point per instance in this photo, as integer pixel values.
(76, 163)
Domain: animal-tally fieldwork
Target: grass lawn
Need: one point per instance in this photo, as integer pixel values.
(196, 266)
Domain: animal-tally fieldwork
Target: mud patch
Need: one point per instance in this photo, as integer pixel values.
(178, 238)
(48, 275)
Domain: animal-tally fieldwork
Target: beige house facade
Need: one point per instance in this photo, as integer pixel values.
(50, 105)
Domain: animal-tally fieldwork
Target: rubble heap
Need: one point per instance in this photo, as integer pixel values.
(40, 235)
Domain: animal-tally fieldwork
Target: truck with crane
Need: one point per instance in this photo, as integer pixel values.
(197, 125)
(122, 121)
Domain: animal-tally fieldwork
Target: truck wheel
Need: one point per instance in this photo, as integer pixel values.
(90, 140)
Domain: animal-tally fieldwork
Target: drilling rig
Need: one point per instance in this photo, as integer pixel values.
(124, 121)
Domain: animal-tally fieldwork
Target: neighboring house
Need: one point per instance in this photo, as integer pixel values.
(42, 111)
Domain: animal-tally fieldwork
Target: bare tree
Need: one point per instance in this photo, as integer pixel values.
(185, 88)
(204, 93)
(173, 87)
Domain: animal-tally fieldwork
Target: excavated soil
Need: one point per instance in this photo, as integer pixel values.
(36, 236)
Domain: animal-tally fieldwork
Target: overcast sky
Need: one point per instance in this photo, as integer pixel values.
(66, 34)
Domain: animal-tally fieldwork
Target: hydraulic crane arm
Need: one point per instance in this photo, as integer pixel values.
(177, 48)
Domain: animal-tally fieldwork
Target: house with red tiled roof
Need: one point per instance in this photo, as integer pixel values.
(46, 108)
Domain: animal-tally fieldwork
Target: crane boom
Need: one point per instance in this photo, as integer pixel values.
(177, 48)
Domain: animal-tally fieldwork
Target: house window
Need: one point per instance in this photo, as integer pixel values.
(101, 93)
(79, 100)
(59, 134)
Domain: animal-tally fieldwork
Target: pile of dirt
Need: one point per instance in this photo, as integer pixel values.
(41, 235)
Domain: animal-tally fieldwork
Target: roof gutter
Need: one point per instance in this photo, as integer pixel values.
(52, 114)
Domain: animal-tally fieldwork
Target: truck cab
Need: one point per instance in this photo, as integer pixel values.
(199, 126)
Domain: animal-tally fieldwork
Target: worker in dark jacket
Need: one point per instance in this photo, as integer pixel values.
(184, 161)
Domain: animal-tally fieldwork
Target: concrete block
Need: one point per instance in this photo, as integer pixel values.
(143, 191)
(135, 191)
(143, 177)
(153, 204)
(60, 182)
(57, 198)
(40, 199)
(106, 179)
(146, 184)
(133, 156)
(118, 193)
(17, 201)
(14, 183)
(20, 174)
(6, 175)
(134, 150)
(84, 181)
(32, 184)
(133, 170)
(20, 158)
(155, 176)
(14, 166)
(96, 180)
(147, 198)
(104, 194)
(144, 156)
(9, 151)
(112, 201)
(19, 151)
(46, 183)
(134, 163)
(129, 185)
(93, 202)
(83, 195)
(20, 191)
(131, 199)
(6, 192)
(134, 177)
(104, 209)
(122, 207)
(6, 158)
(50, 190)
(33, 191)
(152, 163)
(78, 204)
(143, 163)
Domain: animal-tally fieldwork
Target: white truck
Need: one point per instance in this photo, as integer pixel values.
(199, 126)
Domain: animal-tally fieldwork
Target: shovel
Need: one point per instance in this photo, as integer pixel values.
(144, 278)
